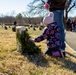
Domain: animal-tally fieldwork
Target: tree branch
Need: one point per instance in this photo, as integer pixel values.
(71, 7)
(43, 1)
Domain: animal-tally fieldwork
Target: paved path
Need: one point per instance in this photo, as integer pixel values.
(71, 39)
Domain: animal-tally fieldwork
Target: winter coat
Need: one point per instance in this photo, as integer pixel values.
(51, 33)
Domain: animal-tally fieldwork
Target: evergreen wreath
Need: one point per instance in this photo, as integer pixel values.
(26, 46)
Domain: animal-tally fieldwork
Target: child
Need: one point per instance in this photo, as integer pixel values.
(51, 34)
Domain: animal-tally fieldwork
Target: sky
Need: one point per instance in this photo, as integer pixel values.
(7, 7)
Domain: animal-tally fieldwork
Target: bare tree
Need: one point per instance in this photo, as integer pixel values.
(69, 5)
(31, 20)
(37, 7)
(13, 13)
(27, 15)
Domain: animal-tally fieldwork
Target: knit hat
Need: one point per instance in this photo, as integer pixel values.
(49, 18)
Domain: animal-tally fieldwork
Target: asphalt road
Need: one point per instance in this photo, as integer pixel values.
(71, 39)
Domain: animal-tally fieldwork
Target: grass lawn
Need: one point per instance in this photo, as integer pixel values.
(13, 63)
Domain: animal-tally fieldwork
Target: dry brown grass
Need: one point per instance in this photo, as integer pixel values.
(13, 63)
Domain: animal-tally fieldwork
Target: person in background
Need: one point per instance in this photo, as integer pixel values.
(15, 23)
(72, 26)
(68, 25)
(57, 7)
(14, 26)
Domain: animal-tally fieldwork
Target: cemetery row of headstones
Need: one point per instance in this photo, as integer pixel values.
(14, 27)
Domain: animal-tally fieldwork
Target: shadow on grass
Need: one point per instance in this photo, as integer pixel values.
(67, 62)
(69, 65)
(71, 55)
(38, 60)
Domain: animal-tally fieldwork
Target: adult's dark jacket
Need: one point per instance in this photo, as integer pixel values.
(56, 4)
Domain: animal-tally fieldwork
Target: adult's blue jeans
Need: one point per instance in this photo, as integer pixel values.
(58, 17)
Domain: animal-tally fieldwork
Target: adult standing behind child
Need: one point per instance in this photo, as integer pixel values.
(57, 7)
(51, 34)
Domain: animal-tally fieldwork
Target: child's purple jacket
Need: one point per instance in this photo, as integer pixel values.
(51, 33)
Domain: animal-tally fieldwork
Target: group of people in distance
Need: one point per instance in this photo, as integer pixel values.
(71, 25)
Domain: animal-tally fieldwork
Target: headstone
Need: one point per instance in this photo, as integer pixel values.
(5, 27)
(14, 28)
(34, 29)
(19, 30)
(23, 44)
